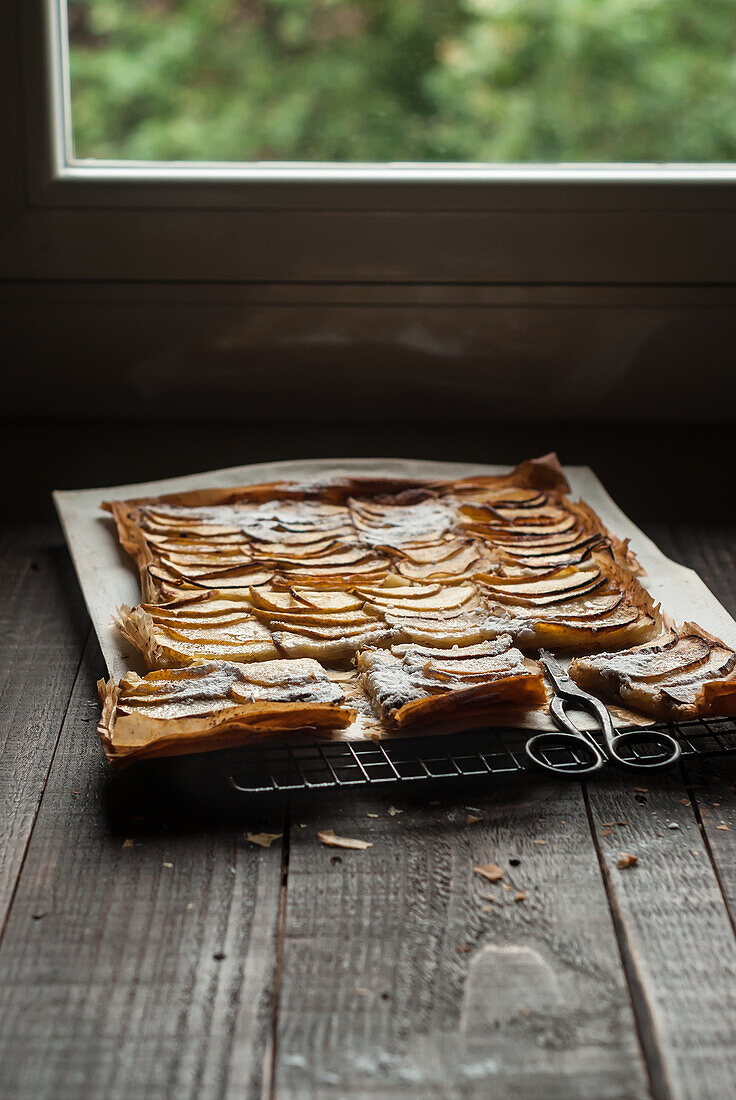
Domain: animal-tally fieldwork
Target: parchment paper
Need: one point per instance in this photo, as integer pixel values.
(109, 578)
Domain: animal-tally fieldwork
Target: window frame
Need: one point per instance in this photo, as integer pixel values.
(360, 223)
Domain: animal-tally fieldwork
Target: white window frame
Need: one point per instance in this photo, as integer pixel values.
(387, 223)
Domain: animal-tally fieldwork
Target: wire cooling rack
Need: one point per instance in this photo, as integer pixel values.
(491, 752)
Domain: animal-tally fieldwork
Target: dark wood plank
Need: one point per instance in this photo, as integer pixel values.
(711, 550)
(139, 969)
(398, 980)
(676, 934)
(43, 627)
(713, 790)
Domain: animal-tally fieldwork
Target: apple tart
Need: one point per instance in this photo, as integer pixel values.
(199, 626)
(385, 605)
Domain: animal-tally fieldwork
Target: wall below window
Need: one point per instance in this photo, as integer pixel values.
(367, 354)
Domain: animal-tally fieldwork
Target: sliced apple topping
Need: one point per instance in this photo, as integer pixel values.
(512, 531)
(418, 598)
(461, 630)
(554, 586)
(686, 673)
(451, 561)
(480, 492)
(391, 524)
(410, 685)
(208, 627)
(429, 612)
(549, 557)
(310, 622)
(238, 577)
(603, 608)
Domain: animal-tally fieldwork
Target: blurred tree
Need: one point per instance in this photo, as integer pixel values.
(399, 80)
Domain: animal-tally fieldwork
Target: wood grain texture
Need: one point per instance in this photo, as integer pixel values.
(43, 627)
(121, 976)
(712, 790)
(398, 979)
(677, 934)
(711, 550)
(138, 955)
(677, 939)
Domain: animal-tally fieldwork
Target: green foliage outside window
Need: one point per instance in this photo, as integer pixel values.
(400, 80)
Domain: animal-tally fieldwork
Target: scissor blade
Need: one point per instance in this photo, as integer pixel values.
(555, 670)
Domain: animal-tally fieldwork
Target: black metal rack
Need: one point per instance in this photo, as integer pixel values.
(491, 752)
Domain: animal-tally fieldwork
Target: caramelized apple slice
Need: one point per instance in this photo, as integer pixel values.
(337, 648)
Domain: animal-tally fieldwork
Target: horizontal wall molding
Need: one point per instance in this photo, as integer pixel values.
(345, 246)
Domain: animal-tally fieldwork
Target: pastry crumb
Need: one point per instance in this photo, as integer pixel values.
(264, 840)
(328, 837)
(490, 871)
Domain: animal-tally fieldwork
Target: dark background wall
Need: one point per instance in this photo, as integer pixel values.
(112, 382)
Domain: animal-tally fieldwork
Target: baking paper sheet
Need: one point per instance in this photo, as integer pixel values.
(109, 578)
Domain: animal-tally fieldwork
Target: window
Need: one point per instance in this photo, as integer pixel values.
(350, 221)
(485, 81)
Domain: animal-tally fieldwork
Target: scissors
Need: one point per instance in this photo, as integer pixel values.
(587, 756)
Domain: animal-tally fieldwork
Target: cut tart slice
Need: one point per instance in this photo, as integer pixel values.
(411, 684)
(685, 673)
(217, 704)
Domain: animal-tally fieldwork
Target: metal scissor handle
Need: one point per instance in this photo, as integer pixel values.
(669, 749)
(567, 693)
(538, 747)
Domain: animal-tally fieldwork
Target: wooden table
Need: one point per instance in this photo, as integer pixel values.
(150, 950)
